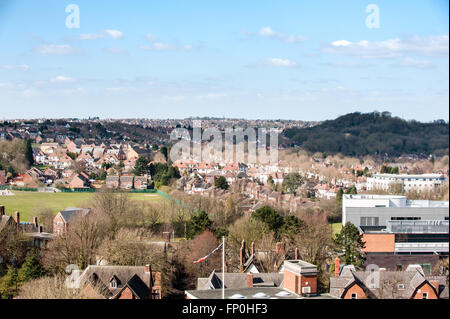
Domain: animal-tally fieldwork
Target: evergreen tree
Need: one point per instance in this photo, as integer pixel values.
(339, 195)
(31, 268)
(349, 241)
(198, 224)
(29, 152)
(270, 216)
(221, 183)
(141, 166)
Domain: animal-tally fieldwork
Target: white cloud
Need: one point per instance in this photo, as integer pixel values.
(340, 43)
(62, 79)
(162, 46)
(281, 62)
(116, 34)
(57, 49)
(270, 33)
(20, 67)
(413, 63)
(391, 48)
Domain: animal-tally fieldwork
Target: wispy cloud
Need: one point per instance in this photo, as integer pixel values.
(268, 32)
(391, 48)
(115, 34)
(57, 49)
(62, 79)
(19, 67)
(414, 63)
(281, 62)
(162, 46)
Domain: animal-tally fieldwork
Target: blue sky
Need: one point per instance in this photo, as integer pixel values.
(305, 60)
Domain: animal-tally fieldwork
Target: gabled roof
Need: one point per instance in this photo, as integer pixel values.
(72, 212)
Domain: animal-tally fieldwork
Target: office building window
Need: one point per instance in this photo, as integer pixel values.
(369, 221)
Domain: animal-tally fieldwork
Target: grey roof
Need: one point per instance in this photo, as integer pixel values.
(72, 212)
(251, 293)
(138, 287)
(126, 276)
(239, 280)
(387, 283)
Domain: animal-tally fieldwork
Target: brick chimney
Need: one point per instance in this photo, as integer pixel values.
(337, 266)
(249, 280)
(17, 218)
(166, 236)
(242, 257)
(2, 210)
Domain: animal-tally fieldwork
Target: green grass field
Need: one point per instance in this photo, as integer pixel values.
(27, 202)
(336, 228)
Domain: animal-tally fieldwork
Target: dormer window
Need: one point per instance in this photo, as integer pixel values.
(114, 282)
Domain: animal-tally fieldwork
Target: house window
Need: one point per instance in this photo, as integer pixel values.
(425, 295)
(400, 286)
(354, 295)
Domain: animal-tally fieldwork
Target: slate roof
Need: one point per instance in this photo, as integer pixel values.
(251, 293)
(387, 286)
(72, 212)
(134, 277)
(239, 280)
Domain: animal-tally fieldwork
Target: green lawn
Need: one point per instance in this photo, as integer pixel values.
(26, 202)
(336, 228)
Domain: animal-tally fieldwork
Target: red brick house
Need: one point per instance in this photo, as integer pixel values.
(80, 181)
(120, 282)
(2, 177)
(63, 219)
(140, 182)
(348, 283)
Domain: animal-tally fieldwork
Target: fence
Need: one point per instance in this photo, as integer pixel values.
(71, 190)
(177, 201)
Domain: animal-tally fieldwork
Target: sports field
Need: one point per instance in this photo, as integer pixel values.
(27, 202)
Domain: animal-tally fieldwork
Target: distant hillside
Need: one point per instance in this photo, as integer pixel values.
(359, 134)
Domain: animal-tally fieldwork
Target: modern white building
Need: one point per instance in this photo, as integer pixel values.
(419, 183)
(367, 210)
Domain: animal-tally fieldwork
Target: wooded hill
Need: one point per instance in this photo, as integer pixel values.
(359, 134)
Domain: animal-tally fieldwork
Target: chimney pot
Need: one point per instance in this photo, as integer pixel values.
(35, 222)
(17, 218)
(249, 280)
(40, 229)
(337, 266)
